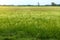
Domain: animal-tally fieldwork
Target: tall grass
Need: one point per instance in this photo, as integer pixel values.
(28, 23)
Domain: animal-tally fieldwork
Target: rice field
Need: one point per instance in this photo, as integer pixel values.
(29, 23)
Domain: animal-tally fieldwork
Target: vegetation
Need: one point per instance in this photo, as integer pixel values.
(38, 4)
(29, 23)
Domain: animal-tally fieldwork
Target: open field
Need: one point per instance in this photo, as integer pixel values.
(29, 23)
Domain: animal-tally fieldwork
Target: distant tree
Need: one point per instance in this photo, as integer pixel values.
(53, 4)
(38, 4)
(29, 5)
(58, 5)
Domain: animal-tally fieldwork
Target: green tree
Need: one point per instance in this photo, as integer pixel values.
(38, 4)
(53, 4)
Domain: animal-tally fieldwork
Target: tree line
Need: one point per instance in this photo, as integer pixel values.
(53, 4)
(38, 4)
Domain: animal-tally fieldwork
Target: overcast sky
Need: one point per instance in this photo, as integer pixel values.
(26, 2)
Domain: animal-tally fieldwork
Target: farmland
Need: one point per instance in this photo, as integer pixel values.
(29, 23)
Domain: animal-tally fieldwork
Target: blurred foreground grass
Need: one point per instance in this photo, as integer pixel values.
(29, 23)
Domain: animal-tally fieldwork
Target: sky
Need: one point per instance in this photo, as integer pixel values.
(27, 2)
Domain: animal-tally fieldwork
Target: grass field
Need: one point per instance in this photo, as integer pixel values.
(29, 23)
